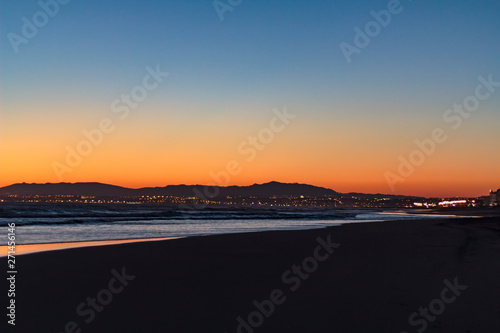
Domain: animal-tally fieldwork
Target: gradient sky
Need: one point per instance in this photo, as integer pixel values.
(352, 121)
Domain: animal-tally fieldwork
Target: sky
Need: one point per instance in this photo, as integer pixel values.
(358, 96)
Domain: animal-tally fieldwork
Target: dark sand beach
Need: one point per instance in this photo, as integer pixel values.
(372, 277)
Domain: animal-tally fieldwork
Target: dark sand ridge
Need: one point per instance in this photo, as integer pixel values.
(373, 282)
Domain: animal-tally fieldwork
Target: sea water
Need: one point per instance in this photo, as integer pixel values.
(38, 223)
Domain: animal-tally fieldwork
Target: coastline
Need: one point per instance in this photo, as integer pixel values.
(23, 249)
(381, 272)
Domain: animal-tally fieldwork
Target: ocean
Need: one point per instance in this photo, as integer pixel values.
(38, 223)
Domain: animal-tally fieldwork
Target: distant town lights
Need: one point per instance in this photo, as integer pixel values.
(453, 202)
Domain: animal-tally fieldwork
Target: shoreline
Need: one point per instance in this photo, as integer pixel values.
(23, 249)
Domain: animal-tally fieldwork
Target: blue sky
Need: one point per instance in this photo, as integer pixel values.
(431, 48)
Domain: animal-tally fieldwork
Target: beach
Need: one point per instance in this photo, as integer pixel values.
(401, 276)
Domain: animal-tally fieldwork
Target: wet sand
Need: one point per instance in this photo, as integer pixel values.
(34, 248)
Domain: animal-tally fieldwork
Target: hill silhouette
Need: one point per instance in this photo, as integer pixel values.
(265, 190)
